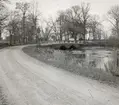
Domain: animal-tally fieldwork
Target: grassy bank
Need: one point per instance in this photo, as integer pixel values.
(3, 45)
(44, 55)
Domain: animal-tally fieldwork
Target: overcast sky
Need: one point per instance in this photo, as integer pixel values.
(50, 7)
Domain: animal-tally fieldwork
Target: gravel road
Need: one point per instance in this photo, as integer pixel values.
(27, 81)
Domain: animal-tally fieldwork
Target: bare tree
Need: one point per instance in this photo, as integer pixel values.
(60, 21)
(72, 23)
(14, 27)
(34, 17)
(23, 28)
(78, 16)
(23, 7)
(85, 8)
(93, 25)
(3, 15)
(48, 29)
(55, 30)
(113, 18)
(73, 29)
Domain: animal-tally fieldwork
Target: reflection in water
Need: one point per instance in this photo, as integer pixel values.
(95, 58)
(88, 57)
(113, 64)
(92, 63)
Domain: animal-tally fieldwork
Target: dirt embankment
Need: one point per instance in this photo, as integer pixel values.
(99, 75)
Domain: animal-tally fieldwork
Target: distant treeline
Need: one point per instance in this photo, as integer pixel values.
(25, 24)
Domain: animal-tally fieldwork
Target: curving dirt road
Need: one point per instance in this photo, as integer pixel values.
(26, 81)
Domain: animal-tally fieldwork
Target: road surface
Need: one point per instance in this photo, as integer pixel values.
(26, 81)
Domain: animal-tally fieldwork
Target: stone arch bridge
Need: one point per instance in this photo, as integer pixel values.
(72, 45)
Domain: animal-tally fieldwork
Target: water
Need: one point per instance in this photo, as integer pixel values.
(94, 62)
(94, 57)
(89, 57)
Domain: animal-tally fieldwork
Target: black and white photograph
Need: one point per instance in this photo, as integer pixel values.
(59, 52)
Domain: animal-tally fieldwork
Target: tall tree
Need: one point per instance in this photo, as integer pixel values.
(23, 7)
(78, 16)
(3, 15)
(14, 27)
(34, 15)
(113, 18)
(60, 21)
(93, 25)
(85, 9)
(73, 22)
(48, 29)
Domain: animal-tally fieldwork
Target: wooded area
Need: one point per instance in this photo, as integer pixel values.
(24, 24)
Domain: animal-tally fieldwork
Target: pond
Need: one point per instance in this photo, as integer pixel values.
(95, 62)
(95, 57)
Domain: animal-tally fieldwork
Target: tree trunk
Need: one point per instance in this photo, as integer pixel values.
(94, 35)
(84, 31)
(60, 30)
(10, 38)
(117, 27)
(75, 37)
(23, 28)
(0, 34)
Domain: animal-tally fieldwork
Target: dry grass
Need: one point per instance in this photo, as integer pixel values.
(91, 72)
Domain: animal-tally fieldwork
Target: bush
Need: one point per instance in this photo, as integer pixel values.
(113, 41)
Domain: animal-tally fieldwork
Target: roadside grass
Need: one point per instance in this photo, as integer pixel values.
(90, 72)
